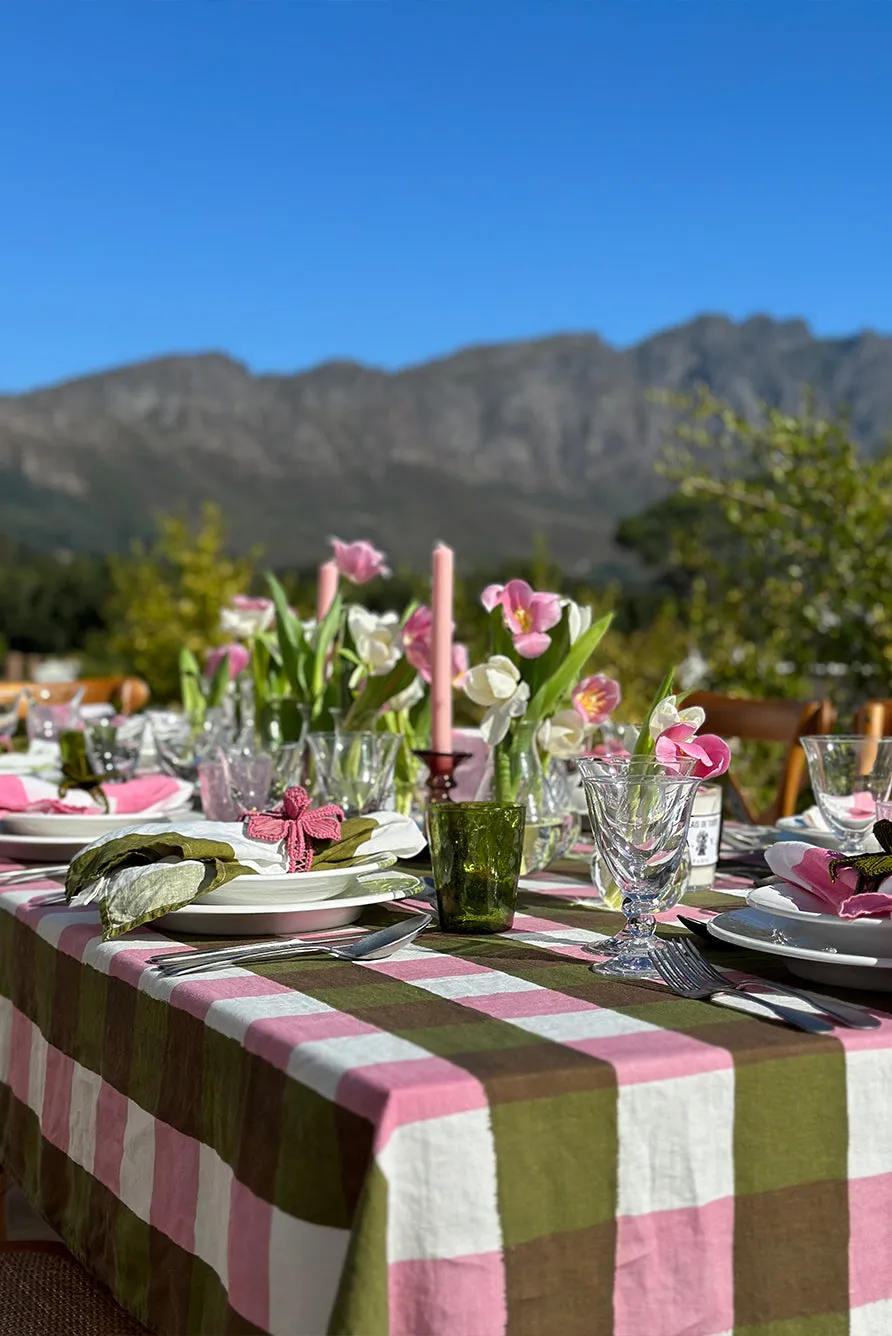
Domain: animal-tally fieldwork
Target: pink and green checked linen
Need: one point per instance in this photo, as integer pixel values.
(475, 1137)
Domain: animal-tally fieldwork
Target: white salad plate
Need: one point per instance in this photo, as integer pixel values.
(40, 848)
(260, 919)
(292, 888)
(813, 922)
(74, 825)
(758, 931)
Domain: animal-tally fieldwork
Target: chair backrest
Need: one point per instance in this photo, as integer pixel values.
(128, 693)
(874, 718)
(783, 721)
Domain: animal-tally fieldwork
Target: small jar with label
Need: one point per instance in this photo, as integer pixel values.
(704, 834)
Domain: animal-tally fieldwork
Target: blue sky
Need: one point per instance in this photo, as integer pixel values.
(294, 181)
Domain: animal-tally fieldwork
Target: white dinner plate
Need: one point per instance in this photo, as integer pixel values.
(758, 931)
(39, 848)
(292, 888)
(814, 922)
(71, 825)
(209, 920)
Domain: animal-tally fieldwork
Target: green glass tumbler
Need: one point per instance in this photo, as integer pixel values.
(476, 851)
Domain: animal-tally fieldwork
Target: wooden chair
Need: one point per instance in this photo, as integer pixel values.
(128, 693)
(784, 721)
(874, 718)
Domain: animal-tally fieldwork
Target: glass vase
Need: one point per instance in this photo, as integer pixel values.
(514, 774)
(283, 719)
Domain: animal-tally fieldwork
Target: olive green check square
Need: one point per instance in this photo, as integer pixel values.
(556, 1163)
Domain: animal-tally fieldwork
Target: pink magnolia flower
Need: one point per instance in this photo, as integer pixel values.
(712, 754)
(595, 698)
(239, 658)
(492, 596)
(418, 645)
(359, 562)
(528, 616)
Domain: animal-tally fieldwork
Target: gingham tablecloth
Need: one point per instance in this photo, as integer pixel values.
(478, 1136)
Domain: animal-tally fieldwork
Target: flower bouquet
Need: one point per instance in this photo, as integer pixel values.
(538, 704)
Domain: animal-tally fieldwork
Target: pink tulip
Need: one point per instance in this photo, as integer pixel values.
(239, 658)
(492, 596)
(359, 562)
(528, 616)
(712, 754)
(611, 747)
(417, 634)
(244, 603)
(461, 663)
(595, 698)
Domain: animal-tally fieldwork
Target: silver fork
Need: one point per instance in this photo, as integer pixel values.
(670, 965)
(855, 1017)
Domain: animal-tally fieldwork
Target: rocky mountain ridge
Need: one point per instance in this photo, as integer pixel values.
(483, 449)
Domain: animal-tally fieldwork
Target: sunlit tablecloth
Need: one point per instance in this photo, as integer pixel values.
(474, 1137)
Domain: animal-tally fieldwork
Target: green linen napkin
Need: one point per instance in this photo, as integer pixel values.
(131, 881)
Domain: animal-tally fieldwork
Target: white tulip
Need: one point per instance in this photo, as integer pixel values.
(493, 682)
(563, 735)
(667, 715)
(243, 618)
(404, 700)
(579, 619)
(497, 720)
(377, 639)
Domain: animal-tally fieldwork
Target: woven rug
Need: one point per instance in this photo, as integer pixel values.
(44, 1292)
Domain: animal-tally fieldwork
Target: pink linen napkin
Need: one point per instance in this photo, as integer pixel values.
(808, 867)
(151, 793)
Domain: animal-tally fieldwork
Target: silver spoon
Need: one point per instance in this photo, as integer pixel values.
(376, 946)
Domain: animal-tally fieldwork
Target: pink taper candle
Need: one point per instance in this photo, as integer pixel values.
(441, 650)
(327, 588)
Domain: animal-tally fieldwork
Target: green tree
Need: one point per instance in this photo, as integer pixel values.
(169, 595)
(787, 545)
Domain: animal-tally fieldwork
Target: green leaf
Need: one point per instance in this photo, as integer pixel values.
(261, 671)
(219, 683)
(538, 671)
(545, 701)
(645, 744)
(364, 711)
(191, 693)
(290, 635)
(325, 637)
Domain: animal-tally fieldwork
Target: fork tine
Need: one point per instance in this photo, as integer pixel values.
(667, 968)
(704, 967)
(684, 966)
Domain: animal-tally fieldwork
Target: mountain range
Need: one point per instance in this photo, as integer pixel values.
(483, 449)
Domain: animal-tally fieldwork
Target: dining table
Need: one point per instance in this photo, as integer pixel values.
(475, 1136)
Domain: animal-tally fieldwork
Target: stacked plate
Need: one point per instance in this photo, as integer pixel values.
(784, 920)
(55, 837)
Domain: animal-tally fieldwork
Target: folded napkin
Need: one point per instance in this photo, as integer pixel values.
(153, 795)
(140, 873)
(845, 885)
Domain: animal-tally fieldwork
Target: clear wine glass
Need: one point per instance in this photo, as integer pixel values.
(850, 774)
(640, 815)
